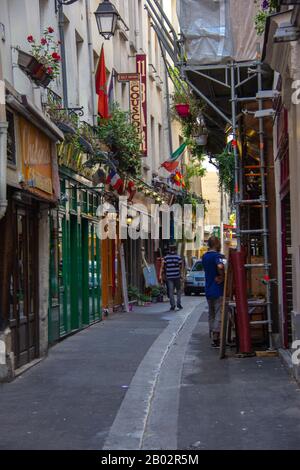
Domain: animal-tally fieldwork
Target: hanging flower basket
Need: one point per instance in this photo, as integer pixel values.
(201, 139)
(183, 109)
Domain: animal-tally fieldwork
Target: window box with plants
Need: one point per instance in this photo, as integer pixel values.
(42, 63)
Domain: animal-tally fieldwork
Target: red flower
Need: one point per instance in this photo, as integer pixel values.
(43, 41)
(30, 38)
(56, 56)
(49, 70)
(50, 30)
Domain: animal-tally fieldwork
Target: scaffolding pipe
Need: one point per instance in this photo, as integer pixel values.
(61, 26)
(160, 22)
(264, 206)
(236, 157)
(3, 143)
(160, 35)
(209, 102)
(163, 53)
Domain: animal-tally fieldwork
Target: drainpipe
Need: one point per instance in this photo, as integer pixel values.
(61, 25)
(3, 144)
(91, 58)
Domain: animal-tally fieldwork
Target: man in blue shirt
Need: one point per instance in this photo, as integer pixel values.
(213, 263)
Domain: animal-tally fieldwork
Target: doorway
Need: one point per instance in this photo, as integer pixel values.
(23, 288)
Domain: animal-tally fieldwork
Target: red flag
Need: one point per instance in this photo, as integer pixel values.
(170, 166)
(101, 87)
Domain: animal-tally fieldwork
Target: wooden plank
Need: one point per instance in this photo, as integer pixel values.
(266, 353)
(224, 320)
(228, 292)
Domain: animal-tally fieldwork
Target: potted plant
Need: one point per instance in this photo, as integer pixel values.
(133, 293)
(183, 109)
(181, 103)
(42, 63)
(162, 293)
(155, 293)
(200, 132)
(143, 299)
(201, 138)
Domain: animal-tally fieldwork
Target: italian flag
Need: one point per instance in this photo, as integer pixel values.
(171, 164)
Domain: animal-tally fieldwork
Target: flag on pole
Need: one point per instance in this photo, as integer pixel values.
(178, 180)
(101, 87)
(115, 181)
(171, 164)
(111, 91)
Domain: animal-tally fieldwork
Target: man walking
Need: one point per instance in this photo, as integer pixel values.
(171, 267)
(213, 264)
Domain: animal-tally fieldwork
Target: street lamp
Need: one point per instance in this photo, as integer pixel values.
(107, 16)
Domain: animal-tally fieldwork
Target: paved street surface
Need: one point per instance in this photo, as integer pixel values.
(149, 380)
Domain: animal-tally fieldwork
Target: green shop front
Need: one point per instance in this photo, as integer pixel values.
(75, 258)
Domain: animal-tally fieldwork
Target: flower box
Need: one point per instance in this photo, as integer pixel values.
(34, 69)
(183, 109)
(65, 127)
(42, 64)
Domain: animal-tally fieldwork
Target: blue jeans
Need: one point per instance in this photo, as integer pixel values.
(172, 284)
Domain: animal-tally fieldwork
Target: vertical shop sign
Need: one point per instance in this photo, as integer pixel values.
(135, 104)
(134, 97)
(141, 67)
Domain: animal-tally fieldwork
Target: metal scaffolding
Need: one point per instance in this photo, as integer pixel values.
(236, 83)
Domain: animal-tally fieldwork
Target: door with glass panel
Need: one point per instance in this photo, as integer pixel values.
(91, 273)
(24, 286)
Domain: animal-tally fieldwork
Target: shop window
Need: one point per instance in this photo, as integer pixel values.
(73, 198)
(11, 142)
(62, 201)
(91, 204)
(84, 202)
(96, 199)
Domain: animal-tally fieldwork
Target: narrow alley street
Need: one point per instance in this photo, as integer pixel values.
(155, 384)
(149, 230)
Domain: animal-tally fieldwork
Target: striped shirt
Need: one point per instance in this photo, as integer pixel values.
(173, 263)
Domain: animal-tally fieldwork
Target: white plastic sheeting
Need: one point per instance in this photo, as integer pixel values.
(217, 31)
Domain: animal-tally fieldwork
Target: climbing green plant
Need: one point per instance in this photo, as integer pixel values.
(122, 137)
(226, 165)
(193, 169)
